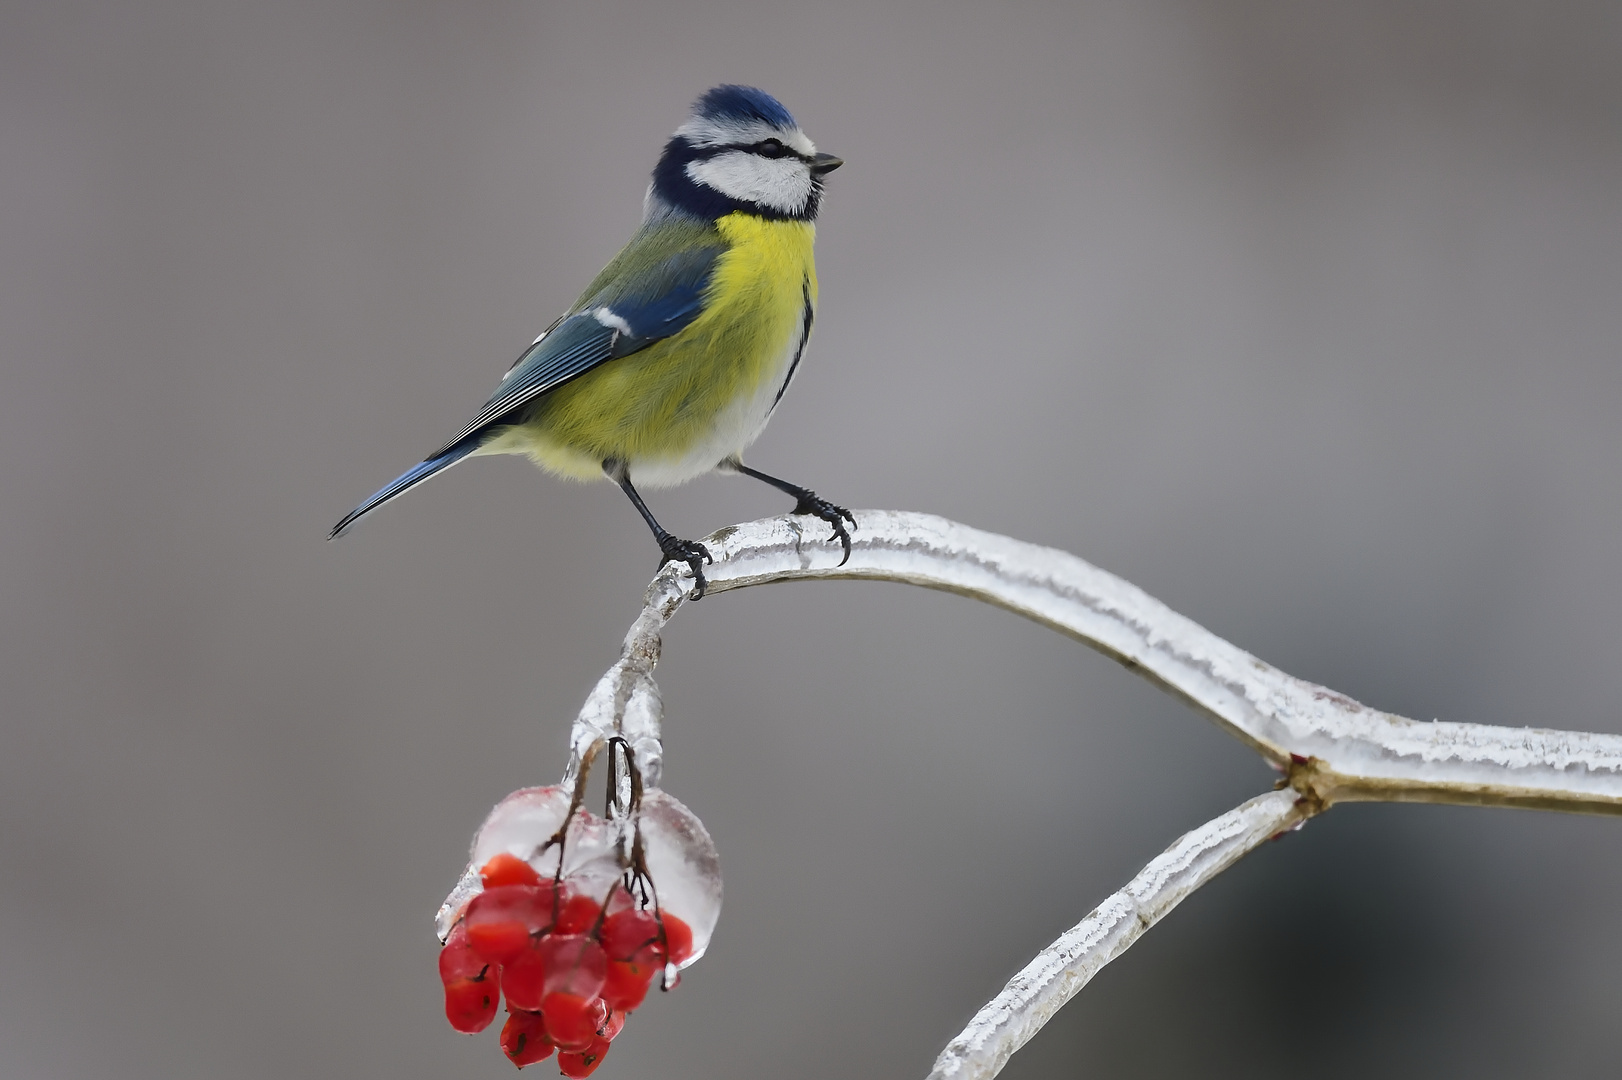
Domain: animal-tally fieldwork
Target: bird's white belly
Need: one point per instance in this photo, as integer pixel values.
(738, 425)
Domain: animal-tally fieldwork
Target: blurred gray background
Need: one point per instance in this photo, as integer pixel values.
(1307, 318)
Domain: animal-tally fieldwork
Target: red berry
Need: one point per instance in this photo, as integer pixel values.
(524, 1039)
(679, 937)
(584, 1062)
(647, 938)
(575, 964)
(524, 980)
(501, 921)
(507, 869)
(470, 1004)
(578, 914)
(472, 985)
(572, 1021)
(627, 983)
(627, 933)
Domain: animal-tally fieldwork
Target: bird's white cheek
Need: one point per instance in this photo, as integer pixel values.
(783, 184)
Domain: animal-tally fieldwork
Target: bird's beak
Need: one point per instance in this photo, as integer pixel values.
(825, 163)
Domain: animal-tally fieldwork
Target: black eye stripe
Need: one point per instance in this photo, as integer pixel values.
(766, 148)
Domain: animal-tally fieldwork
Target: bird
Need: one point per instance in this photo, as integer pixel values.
(672, 360)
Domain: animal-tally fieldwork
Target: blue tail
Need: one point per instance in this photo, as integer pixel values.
(408, 480)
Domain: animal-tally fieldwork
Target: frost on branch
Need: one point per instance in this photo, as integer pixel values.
(571, 916)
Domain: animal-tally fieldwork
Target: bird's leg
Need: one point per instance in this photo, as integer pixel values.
(690, 552)
(806, 502)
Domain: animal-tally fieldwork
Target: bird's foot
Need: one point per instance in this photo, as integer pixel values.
(690, 552)
(812, 505)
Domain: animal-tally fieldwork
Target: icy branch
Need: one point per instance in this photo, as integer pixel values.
(1335, 748)
(1009, 1020)
(1331, 748)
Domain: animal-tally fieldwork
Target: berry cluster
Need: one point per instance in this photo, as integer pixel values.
(570, 966)
(571, 916)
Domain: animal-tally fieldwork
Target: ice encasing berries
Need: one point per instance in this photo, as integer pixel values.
(575, 964)
(627, 933)
(504, 921)
(524, 980)
(573, 934)
(578, 914)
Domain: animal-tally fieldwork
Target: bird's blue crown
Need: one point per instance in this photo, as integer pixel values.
(742, 103)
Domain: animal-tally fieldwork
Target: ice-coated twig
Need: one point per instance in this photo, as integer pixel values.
(1331, 748)
(1336, 749)
(625, 702)
(1009, 1020)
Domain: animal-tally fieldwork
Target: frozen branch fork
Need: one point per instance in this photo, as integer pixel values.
(1330, 748)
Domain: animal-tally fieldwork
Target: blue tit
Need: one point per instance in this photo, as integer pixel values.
(673, 359)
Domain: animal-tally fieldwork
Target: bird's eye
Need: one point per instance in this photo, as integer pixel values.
(772, 148)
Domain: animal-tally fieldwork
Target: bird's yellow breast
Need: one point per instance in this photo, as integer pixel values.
(676, 408)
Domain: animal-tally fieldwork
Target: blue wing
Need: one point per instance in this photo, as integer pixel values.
(624, 316)
(619, 320)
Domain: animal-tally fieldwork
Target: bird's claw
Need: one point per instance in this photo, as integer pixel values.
(812, 505)
(690, 552)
